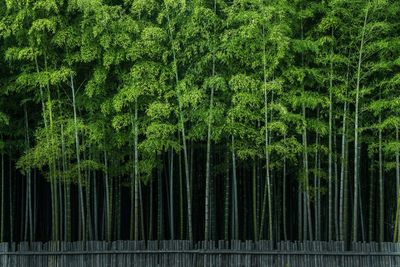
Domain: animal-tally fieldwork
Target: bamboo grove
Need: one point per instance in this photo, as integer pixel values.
(199, 119)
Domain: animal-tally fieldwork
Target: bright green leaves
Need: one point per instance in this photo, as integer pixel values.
(243, 45)
(245, 83)
(23, 53)
(152, 77)
(246, 100)
(105, 33)
(43, 26)
(149, 45)
(217, 82)
(384, 104)
(244, 116)
(44, 78)
(96, 85)
(310, 100)
(198, 37)
(121, 121)
(390, 123)
(159, 138)
(85, 5)
(288, 148)
(254, 44)
(47, 5)
(140, 8)
(46, 151)
(161, 131)
(175, 4)
(159, 110)
(190, 95)
(278, 127)
(152, 39)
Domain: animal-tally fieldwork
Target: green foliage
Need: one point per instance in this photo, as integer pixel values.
(277, 77)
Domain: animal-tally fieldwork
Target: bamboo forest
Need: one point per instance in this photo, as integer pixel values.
(200, 120)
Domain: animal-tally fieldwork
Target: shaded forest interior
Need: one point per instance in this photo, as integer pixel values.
(199, 120)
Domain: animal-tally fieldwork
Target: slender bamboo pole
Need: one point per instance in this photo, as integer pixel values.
(183, 132)
(356, 134)
(77, 152)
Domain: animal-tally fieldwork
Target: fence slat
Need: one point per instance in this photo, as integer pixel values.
(177, 253)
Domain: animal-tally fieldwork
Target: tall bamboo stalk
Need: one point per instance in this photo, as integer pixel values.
(108, 200)
(226, 197)
(397, 219)
(267, 188)
(284, 223)
(183, 132)
(356, 126)
(315, 183)
(2, 198)
(207, 195)
(342, 175)
(77, 152)
(235, 210)
(371, 203)
(330, 148)
(381, 191)
(171, 194)
(28, 204)
(11, 206)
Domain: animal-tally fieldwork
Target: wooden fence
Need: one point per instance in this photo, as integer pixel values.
(206, 253)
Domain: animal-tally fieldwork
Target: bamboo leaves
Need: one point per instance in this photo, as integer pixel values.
(154, 116)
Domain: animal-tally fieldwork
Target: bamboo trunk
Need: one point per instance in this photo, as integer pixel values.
(371, 204)
(171, 194)
(316, 188)
(77, 151)
(183, 132)
(254, 195)
(108, 202)
(330, 154)
(2, 198)
(267, 198)
(207, 195)
(381, 190)
(11, 201)
(356, 145)
(28, 186)
(226, 199)
(285, 235)
(342, 175)
(397, 219)
(235, 210)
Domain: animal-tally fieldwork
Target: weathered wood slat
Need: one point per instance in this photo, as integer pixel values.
(179, 253)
